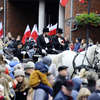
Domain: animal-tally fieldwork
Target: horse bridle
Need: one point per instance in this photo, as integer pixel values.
(94, 62)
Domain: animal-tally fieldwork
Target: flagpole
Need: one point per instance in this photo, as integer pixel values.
(4, 26)
(71, 15)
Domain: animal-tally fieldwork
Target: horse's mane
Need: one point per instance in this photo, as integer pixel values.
(56, 58)
(90, 52)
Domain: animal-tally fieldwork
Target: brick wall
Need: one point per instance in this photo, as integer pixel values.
(1, 13)
(79, 8)
(19, 14)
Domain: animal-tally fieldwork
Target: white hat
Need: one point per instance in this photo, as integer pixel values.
(19, 72)
(18, 66)
(16, 59)
(29, 65)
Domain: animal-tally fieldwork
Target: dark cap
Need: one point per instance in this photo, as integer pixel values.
(59, 31)
(68, 84)
(62, 68)
(45, 30)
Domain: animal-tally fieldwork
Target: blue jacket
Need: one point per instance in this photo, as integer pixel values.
(95, 95)
(77, 46)
(42, 67)
(61, 96)
(74, 94)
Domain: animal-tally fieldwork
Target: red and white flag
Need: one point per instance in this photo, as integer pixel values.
(34, 33)
(52, 30)
(82, 1)
(64, 2)
(26, 35)
(1, 30)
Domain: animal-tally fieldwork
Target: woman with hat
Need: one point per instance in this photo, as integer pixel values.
(22, 87)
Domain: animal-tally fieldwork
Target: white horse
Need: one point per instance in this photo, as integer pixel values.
(90, 57)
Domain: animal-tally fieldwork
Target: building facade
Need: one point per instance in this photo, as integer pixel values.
(79, 8)
(19, 13)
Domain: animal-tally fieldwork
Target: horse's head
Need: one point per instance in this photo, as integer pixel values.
(97, 55)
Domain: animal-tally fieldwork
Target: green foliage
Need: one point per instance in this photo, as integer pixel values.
(88, 19)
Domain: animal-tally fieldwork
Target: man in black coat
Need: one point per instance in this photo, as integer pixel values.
(44, 43)
(59, 42)
(96, 94)
(60, 79)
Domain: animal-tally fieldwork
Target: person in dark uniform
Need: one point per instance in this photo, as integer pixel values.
(44, 43)
(59, 42)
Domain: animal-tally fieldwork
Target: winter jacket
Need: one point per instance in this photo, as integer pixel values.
(38, 77)
(95, 95)
(40, 94)
(46, 88)
(76, 46)
(77, 83)
(22, 90)
(58, 83)
(22, 95)
(61, 96)
(42, 67)
(74, 94)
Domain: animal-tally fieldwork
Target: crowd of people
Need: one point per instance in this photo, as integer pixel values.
(37, 81)
(42, 80)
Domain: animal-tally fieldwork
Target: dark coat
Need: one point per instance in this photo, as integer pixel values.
(95, 95)
(17, 53)
(57, 45)
(43, 45)
(58, 83)
(61, 96)
(22, 95)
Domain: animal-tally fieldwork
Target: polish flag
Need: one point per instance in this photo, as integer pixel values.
(34, 33)
(52, 30)
(63, 2)
(1, 29)
(26, 35)
(82, 1)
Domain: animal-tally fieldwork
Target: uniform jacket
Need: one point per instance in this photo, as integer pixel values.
(42, 44)
(57, 45)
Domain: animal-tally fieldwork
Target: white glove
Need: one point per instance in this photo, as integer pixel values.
(54, 49)
(23, 52)
(44, 51)
(46, 48)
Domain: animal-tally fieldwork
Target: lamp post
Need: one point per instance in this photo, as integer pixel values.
(71, 15)
(87, 30)
(4, 25)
